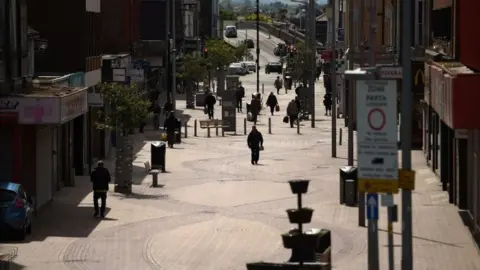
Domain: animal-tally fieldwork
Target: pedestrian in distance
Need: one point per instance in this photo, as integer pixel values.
(255, 108)
(278, 84)
(210, 101)
(327, 102)
(171, 123)
(272, 102)
(255, 143)
(239, 95)
(100, 178)
(292, 112)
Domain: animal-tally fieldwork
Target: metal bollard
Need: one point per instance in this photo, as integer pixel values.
(298, 125)
(195, 128)
(186, 129)
(263, 88)
(223, 132)
(340, 135)
(244, 126)
(269, 125)
(208, 131)
(154, 174)
(216, 130)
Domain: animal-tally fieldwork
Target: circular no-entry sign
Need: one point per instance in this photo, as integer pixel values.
(376, 119)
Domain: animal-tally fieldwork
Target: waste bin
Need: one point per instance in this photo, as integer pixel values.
(351, 192)
(157, 158)
(346, 172)
(178, 132)
(200, 99)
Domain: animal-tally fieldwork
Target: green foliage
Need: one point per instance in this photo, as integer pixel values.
(129, 109)
(220, 53)
(227, 15)
(300, 62)
(194, 67)
(262, 17)
(281, 14)
(240, 52)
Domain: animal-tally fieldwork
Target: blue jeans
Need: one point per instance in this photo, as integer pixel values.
(255, 154)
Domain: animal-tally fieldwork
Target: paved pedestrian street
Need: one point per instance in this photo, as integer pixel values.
(216, 211)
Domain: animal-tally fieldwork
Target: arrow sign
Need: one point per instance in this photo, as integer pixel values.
(372, 206)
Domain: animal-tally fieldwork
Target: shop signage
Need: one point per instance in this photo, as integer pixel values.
(39, 111)
(94, 98)
(9, 104)
(119, 75)
(73, 106)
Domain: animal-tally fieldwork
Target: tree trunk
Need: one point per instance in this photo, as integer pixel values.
(123, 163)
(190, 97)
(220, 81)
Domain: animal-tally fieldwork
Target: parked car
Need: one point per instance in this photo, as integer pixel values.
(230, 31)
(251, 65)
(16, 210)
(237, 69)
(274, 67)
(249, 43)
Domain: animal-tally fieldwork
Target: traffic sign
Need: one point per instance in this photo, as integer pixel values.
(391, 72)
(372, 206)
(377, 136)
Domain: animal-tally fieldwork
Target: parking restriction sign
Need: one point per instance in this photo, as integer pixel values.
(377, 136)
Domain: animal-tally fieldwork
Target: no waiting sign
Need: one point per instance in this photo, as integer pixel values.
(377, 136)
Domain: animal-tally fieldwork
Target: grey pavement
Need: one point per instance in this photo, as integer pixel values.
(216, 211)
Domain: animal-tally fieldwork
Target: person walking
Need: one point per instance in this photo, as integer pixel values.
(171, 123)
(255, 143)
(210, 101)
(100, 178)
(327, 102)
(272, 102)
(292, 112)
(278, 84)
(255, 108)
(239, 94)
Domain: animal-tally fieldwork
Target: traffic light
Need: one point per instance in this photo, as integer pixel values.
(205, 53)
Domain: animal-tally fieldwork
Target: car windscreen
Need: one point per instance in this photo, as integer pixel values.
(7, 195)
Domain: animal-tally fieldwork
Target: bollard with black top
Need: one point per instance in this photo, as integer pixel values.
(298, 125)
(244, 126)
(195, 127)
(269, 125)
(186, 128)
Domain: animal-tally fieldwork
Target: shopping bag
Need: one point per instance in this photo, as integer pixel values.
(277, 108)
(261, 148)
(285, 119)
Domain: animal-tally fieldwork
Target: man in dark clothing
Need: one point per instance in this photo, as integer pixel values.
(239, 94)
(167, 108)
(292, 112)
(297, 90)
(272, 102)
(210, 101)
(327, 102)
(255, 108)
(170, 125)
(278, 84)
(100, 178)
(255, 143)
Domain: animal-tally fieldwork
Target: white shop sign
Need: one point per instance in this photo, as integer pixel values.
(73, 105)
(377, 130)
(36, 111)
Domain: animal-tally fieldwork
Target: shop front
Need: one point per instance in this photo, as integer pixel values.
(42, 140)
(451, 137)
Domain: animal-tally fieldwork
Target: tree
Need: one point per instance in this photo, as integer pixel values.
(227, 15)
(241, 52)
(262, 18)
(282, 14)
(300, 62)
(128, 109)
(193, 71)
(220, 54)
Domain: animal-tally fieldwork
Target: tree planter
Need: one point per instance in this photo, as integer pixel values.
(300, 216)
(299, 186)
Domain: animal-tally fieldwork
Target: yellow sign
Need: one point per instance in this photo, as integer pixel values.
(406, 179)
(378, 185)
(417, 75)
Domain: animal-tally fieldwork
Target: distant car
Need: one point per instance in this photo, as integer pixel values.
(280, 50)
(16, 209)
(230, 31)
(237, 69)
(251, 65)
(249, 43)
(274, 67)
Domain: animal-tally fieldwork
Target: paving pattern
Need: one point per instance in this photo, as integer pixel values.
(217, 211)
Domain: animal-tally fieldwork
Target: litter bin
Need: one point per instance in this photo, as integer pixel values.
(157, 158)
(346, 172)
(351, 192)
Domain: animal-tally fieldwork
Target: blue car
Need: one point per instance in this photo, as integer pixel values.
(15, 210)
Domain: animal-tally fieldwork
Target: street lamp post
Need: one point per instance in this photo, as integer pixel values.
(258, 46)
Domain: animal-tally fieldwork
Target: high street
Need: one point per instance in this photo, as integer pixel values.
(217, 211)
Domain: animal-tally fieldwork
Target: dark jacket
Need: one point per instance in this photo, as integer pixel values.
(299, 105)
(255, 106)
(168, 107)
(170, 124)
(210, 100)
(327, 102)
(272, 101)
(100, 178)
(255, 140)
(240, 93)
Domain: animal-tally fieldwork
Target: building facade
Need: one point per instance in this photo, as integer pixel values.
(120, 26)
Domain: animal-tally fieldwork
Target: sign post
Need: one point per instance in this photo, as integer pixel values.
(377, 150)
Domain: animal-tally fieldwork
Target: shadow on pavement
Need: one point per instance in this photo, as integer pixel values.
(69, 214)
(468, 221)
